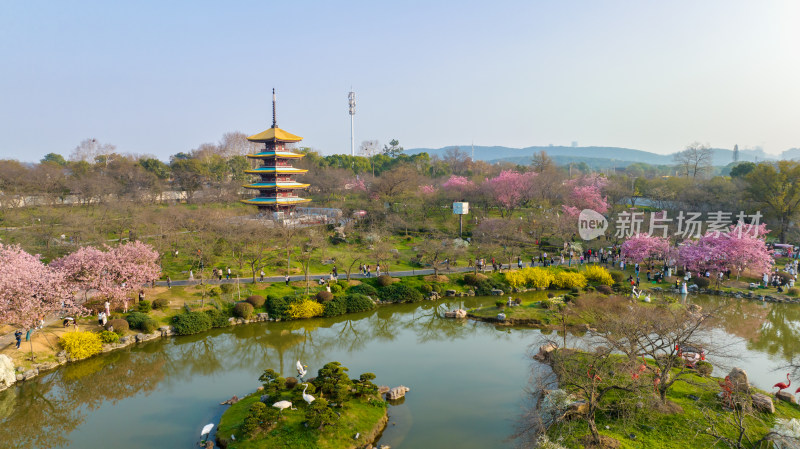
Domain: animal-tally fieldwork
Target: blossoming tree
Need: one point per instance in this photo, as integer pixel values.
(510, 189)
(586, 193)
(30, 290)
(114, 273)
(646, 249)
(740, 249)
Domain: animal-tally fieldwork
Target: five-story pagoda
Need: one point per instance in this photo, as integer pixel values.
(276, 186)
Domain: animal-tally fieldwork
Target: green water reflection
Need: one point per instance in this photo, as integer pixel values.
(466, 378)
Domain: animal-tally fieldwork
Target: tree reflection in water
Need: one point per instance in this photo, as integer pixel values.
(42, 412)
(47, 409)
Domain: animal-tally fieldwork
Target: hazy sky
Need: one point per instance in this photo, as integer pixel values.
(161, 77)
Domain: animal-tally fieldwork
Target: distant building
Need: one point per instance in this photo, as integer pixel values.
(736, 153)
(277, 189)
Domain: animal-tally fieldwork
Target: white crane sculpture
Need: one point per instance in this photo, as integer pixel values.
(301, 370)
(281, 405)
(307, 397)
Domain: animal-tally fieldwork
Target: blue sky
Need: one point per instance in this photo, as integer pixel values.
(162, 77)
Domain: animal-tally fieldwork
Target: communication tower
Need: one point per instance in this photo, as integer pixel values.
(351, 100)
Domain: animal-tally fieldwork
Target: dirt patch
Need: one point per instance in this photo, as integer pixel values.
(670, 408)
(440, 278)
(605, 443)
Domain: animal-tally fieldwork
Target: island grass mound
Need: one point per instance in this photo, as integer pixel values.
(693, 410)
(341, 408)
(610, 400)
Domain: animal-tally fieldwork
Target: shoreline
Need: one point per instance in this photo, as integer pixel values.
(168, 331)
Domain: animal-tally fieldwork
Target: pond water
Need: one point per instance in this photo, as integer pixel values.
(467, 378)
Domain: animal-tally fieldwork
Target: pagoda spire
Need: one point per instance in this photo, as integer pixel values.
(274, 116)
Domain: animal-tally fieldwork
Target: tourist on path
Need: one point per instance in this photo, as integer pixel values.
(169, 282)
(18, 336)
(287, 279)
(228, 275)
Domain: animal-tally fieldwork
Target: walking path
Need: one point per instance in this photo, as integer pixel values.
(313, 277)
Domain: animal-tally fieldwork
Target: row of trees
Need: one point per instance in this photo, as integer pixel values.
(31, 290)
(742, 248)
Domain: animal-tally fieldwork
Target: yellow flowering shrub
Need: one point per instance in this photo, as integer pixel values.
(566, 279)
(81, 345)
(305, 309)
(529, 277)
(538, 277)
(515, 278)
(598, 274)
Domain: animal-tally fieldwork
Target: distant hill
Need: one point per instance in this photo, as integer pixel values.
(595, 157)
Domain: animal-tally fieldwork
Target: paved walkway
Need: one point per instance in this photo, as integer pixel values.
(313, 277)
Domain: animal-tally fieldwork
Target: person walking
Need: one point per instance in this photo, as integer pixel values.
(169, 282)
(191, 275)
(262, 276)
(287, 279)
(228, 274)
(18, 337)
(100, 317)
(107, 306)
(378, 270)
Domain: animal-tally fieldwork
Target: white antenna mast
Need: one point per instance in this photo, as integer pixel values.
(351, 100)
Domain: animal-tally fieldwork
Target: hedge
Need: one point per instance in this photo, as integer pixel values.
(324, 295)
(119, 325)
(363, 289)
(243, 310)
(399, 293)
(256, 300)
(335, 307)
(188, 323)
(141, 321)
(358, 303)
(277, 307)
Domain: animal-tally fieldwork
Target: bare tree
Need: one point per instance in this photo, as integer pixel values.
(695, 160)
(89, 149)
(370, 148)
(542, 162)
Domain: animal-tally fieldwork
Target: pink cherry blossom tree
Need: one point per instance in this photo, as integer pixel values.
(704, 254)
(84, 270)
(646, 249)
(510, 189)
(459, 184)
(427, 190)
(586, 193)
(113, 273)
(30, 290)
(741, 249)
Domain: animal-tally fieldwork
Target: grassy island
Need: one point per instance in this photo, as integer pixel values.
(340, 409)
(625, 412)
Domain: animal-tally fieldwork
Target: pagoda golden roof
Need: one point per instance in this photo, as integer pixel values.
(273, 134)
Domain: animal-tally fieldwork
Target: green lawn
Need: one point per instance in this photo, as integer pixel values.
(655, 429)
